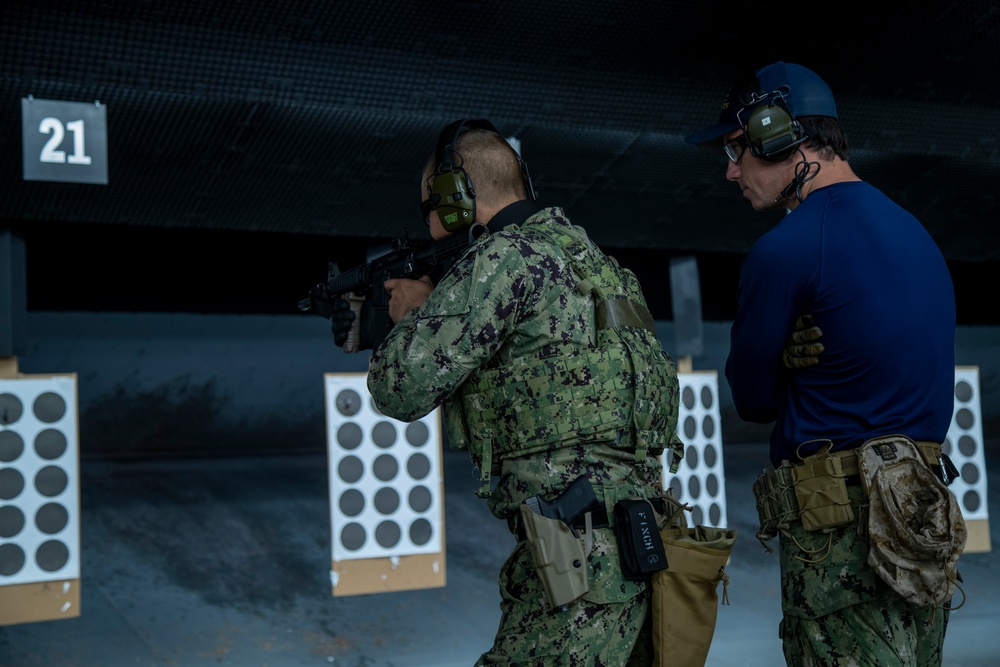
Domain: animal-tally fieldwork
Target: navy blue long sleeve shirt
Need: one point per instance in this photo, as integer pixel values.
(879, 289)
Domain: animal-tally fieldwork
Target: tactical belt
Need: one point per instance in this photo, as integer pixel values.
(599, 519)
(776, 492)
(930, 451)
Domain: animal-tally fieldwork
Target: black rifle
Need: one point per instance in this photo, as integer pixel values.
(362, 285)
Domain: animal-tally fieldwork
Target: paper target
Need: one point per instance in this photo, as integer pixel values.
(964, 445)
(700, 481)
(39, 481)
(385, 476)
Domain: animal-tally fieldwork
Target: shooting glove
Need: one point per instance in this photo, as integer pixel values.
(801, 350)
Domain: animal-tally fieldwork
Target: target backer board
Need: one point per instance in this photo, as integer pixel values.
(39, 497)
(386, 494)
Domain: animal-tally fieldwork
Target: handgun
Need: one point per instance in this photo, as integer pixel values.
(570, 506)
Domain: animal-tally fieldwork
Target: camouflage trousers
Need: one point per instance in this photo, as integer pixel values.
(596, 630)
(837, 612)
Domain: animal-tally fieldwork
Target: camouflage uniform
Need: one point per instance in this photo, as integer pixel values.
(519, 342)
(839, 613)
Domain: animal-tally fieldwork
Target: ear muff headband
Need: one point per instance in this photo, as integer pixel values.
(771, 130)
(452, 192)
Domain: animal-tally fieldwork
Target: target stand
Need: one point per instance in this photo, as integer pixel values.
(39, 496)
(386, 494)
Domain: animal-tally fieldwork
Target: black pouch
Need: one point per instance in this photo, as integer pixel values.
(639, 543)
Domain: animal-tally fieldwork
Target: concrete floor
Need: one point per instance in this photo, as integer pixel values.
(199, 562)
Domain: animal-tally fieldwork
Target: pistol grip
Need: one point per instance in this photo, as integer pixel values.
(353, 342)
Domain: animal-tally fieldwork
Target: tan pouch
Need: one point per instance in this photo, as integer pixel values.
(916, 530)
(685, 599)
(777, 506)
(821, 491)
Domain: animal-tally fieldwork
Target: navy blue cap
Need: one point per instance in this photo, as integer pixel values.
(805, 94)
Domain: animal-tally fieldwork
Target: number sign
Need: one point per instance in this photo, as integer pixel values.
(64, 141)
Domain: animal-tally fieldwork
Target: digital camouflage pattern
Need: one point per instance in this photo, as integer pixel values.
(839, 613)
(593, 632)
(509, 344)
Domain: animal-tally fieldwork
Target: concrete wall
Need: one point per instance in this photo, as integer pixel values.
(174, 384)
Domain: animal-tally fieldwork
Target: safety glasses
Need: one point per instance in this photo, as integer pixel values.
(735, 147)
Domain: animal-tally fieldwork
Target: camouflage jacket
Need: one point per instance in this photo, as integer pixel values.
(515, 343)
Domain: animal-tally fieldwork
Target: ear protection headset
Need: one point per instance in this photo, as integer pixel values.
(452, 193)
(771, 130)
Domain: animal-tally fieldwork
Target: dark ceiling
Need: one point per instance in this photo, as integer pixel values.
(256, 136)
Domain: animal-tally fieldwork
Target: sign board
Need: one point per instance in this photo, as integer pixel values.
(64, 141)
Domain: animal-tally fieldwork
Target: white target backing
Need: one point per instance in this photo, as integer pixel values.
(700, 481)
(39, 499)
(39, 494)
(964, 445)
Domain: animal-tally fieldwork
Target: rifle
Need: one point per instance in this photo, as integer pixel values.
(362, 285)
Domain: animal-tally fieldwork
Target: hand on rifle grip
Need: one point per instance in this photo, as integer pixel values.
(342, 320)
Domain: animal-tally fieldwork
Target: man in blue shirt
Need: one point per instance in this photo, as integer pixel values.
(879, 292)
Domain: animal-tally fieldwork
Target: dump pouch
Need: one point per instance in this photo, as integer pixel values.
(821, 491)
(685, 600)
(558, 555)
(639, 544)
(916, 531)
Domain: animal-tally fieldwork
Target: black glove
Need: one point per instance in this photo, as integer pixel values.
(341, 320)
(801, 350)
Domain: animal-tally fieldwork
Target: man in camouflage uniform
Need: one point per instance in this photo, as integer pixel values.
(543, 353)
(881, 298)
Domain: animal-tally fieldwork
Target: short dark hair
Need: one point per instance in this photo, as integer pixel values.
(826, 137)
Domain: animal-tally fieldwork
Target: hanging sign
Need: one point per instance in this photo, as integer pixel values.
(64, 141)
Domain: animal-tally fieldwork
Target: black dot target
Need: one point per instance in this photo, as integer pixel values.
(39, 480)
(700, 480)
(385, 477)
(964, 445)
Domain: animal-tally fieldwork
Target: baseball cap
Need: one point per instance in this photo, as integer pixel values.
(804, 93)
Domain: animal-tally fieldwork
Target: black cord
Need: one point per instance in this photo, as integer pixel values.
(802, 176)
